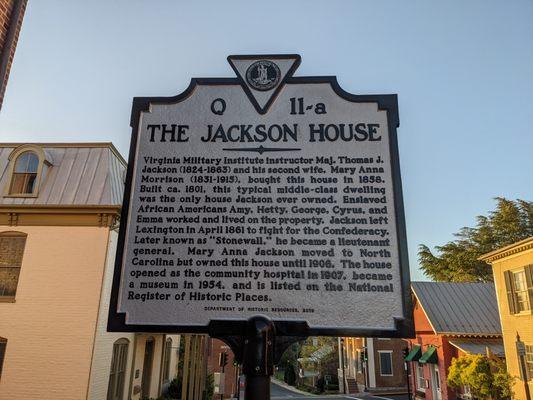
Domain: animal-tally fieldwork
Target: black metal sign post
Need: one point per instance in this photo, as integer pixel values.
(258, 357)
(258, 348)
(263, 209)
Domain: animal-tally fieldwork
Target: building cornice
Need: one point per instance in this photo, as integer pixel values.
(59, 215)
(512, 249)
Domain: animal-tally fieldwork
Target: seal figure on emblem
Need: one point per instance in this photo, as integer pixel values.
(263, 75)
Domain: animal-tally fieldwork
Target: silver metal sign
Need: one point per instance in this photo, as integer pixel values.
(263, 194)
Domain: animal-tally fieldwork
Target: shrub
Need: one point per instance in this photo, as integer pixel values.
(209, 387)
(320, 385)
(486, 376)
(174, 389)
(289, 376)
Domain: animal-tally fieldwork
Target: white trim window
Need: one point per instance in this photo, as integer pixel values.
(25, 174)
(519, 287)
(3, 345)
(529, 362)
(466, 392)
(27, 170)
(117, 372)
(12, 246)
(437, 378)
(385, 362)
(166, 360)
(521, 292)
(420, 380)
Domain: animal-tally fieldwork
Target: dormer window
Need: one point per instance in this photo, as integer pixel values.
(29, 164)
(25, 173)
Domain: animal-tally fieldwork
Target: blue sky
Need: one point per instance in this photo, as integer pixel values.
(463, 71)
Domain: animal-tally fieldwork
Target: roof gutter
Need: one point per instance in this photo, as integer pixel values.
(58, 208)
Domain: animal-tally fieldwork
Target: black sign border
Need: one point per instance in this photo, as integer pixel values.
(404, 327)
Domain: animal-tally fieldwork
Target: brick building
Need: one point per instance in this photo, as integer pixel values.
(372, 365)
(451, 319)
(11, 15)
(231, 372)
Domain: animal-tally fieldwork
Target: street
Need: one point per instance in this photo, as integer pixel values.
(279, 392)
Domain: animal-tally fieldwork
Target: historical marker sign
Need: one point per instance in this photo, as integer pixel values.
(263, 194)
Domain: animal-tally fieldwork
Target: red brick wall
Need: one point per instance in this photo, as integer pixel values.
(215, 347)
(398, 378)
(6, 19)
(445, 351)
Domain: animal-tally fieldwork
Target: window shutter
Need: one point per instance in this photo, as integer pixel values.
(509, 286)
(529, 281)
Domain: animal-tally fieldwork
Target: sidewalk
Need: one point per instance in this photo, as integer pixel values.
(291, 388)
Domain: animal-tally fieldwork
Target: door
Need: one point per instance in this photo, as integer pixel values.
(435, 383)
(147, 367)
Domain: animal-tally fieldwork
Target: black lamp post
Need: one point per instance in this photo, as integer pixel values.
(521, 350)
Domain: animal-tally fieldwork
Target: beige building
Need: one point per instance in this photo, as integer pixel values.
(512, 267)
(59, 208)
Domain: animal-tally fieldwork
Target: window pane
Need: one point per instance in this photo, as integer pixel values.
(3, 344)
(11, 250)
(30, 183)
(385, 361)
(17, 184)
(521, 299)
(23, 183)
(27, 162)
(420, 376)
(520, 280)
(521, 293)
(529, 361)
(9, 278)
(21, 165)
(33, 163)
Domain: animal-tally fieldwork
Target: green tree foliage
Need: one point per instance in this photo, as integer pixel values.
(289, 375)
(290, 355)
(486, 377)
(315, 343)
(209, 387)
(329, 363)
(457, 261)
(288, 363)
